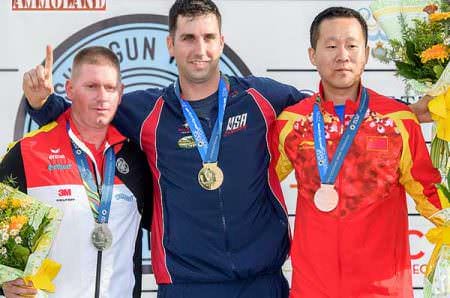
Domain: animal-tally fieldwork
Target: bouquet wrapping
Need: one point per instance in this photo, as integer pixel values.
(27, 228)
(418, 33)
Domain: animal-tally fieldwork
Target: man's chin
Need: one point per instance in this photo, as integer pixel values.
(344, 84)
(102, 122)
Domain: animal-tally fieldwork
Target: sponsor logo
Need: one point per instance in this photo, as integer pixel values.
(64, 192)
(58, 5)
(65, 195)
(184, 129)
(186, 142)
(60, 167)
(122, 166)
(123, 197)
(55, 154)
(139, 41)
(236, 123)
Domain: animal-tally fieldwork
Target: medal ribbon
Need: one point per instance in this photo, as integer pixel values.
(209, 151)
(329, 171)
(100, 201)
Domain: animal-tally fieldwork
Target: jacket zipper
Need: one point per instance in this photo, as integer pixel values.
(222, 214)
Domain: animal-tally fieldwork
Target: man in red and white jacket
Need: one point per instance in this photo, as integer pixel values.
(46, 165)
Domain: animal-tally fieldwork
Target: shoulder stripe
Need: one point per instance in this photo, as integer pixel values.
(45, 128)
(402, 115)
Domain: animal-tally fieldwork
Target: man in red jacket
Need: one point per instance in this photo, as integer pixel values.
(355, 153)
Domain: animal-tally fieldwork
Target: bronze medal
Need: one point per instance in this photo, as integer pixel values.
(210, 176)
(101, 237)
(326, 198)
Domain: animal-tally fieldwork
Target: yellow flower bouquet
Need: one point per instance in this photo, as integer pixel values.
(419, 38)
(27, 228)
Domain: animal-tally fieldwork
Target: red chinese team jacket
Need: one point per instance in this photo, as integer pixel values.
(360, 249)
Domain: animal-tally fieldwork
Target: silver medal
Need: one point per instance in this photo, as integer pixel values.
(101, 236)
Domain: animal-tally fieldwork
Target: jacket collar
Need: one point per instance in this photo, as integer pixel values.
(350, 106)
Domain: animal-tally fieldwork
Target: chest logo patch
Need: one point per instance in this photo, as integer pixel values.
(186, 142)
(377, 143)
(236, 123)
(122, 166)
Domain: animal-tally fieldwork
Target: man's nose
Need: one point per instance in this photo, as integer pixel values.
(102, 93)
(342, 54)
(200, 47)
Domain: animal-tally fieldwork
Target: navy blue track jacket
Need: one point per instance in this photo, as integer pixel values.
(241, 229)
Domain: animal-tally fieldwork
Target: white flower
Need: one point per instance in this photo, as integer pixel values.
(18, 240)
(14, 232)
(4, 236)
(3, 251)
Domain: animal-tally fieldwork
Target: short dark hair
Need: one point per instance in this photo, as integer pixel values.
(333, 13)
(96, 55)
(192, 8)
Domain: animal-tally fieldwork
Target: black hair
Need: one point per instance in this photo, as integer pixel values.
(192, 8)
(333, 13)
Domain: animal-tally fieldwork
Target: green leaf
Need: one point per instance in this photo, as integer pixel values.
(21, 254)
(411, 53)
(39, 232)
(438, 69)
(444, 190)
(448, 179)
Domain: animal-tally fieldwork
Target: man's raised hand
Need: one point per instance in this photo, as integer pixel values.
(37, 83)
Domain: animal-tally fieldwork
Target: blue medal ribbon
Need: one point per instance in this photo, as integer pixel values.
(105, 193)
(329, 171)
(209, 151)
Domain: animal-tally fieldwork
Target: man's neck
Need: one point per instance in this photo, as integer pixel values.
(90, 135)
(197, 91)
(340, 96)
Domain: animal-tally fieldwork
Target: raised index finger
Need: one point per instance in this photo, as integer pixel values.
(49, 61)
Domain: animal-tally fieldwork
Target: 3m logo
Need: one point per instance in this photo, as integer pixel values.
(65, 192)
(71, 5)
(236, 123)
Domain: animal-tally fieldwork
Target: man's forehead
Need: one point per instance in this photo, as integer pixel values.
(328, 30)
(190, 23)
(88, 67)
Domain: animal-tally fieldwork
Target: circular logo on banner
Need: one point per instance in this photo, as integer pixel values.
(139, 41)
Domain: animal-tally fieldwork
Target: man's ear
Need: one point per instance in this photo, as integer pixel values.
(367, 54)
(169, 42)
(312, 56)
(121, 88)
(69, 89)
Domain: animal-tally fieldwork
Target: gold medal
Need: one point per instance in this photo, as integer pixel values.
(101, 236)
(210, 176)
(326, 198)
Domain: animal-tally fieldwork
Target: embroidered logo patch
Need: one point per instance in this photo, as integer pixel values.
(186, 142)
(236, 123)
(122, 166)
